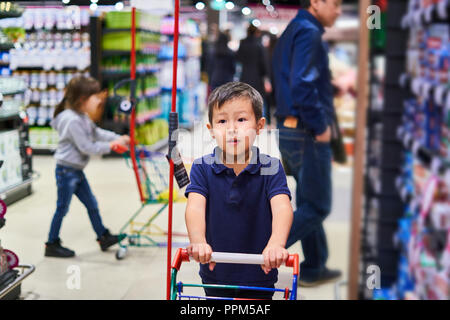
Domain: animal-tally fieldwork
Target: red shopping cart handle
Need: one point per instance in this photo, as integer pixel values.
(227, 257)
(119, 148)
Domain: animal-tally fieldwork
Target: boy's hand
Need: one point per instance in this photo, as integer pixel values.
(201, 252)
(274, 256)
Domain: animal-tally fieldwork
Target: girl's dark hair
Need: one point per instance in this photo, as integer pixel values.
(233, 90)
(78, 90)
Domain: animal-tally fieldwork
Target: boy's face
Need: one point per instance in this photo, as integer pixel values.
(234, 127)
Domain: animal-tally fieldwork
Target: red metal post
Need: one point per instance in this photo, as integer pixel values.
(171, 173)
(133, 111)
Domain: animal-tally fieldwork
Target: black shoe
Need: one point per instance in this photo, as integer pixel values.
(326, 276)
(107, 240)
(55, 249)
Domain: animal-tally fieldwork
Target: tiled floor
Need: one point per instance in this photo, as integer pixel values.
(93, 274)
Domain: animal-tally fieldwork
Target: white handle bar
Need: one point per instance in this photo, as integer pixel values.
(244, 258)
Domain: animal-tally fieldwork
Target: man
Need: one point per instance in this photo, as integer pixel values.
(304, 97)
(252, 57)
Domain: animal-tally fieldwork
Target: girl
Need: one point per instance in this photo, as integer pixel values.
(79, 138)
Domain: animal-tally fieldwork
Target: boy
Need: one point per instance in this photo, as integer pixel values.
(238, 199)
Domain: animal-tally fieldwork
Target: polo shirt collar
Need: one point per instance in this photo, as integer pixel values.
(305, 13)
(253, 167)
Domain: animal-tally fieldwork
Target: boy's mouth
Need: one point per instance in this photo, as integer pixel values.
(233, 141)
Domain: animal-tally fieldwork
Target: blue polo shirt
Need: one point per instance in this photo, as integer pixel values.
(238, 212)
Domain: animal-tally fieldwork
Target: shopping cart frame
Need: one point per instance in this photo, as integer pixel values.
(140, 233)
(220, 257)
(24, 271)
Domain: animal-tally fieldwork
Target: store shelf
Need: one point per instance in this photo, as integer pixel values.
(148, 116)
(158, 146)
(6, 46)
(8, 115)
(7, 15)
(112, 53)
(44, 150)
(111, 75)
(434, 13)
(113, 30)
(13, 93)
(16, 192)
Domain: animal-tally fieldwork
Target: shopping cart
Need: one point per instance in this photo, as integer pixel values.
(177, 288)
(153, 176)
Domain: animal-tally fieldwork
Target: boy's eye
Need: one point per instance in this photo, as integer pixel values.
(242, 119)
(221, 121)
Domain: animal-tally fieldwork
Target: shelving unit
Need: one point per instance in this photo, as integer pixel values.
(423, 235)
(189, 91)
(11, 273)
(110, 52)
(382, 203)
(406, 223)
(110, 63)
(15, 150)
(55, 49)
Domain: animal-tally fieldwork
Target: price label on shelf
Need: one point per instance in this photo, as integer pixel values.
(417, 86)
(442, 8)
(447, 102)
(426, 87)
(428, 196)
(417, 17)
(439, 94)
(428, 13)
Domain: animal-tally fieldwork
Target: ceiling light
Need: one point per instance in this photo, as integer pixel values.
(119, 6)
(256, 23)
(273, 30)
(229, 5)
(200, 6)
(246, 11)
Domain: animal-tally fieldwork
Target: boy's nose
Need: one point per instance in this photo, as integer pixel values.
(231, 128)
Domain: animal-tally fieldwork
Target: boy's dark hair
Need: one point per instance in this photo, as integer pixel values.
(305, 4)
(233, 90)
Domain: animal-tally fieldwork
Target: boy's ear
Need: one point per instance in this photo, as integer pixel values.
(211, 131)
(260, 124)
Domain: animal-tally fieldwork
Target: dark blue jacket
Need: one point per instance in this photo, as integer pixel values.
(302, 79)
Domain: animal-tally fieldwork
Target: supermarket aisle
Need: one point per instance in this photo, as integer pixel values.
(141, 275)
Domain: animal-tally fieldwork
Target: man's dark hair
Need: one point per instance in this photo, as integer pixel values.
(305, 4)
(233, 90)
(251, 30)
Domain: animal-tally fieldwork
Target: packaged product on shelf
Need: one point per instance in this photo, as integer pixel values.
(9, 143)
(165, 75)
